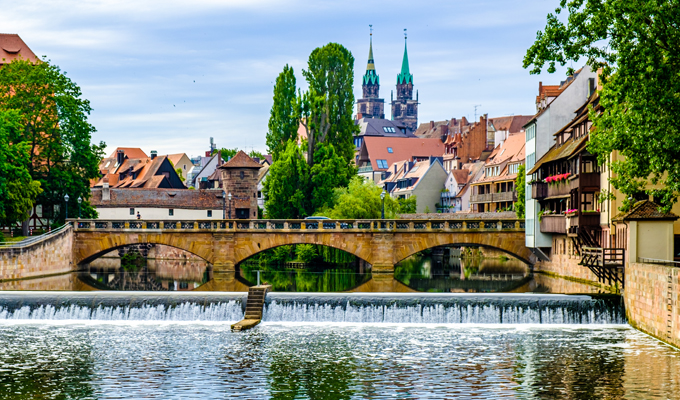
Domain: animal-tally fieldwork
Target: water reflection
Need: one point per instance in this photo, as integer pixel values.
(123, 360)
(314, 278)
(149, 268)
(443, 270)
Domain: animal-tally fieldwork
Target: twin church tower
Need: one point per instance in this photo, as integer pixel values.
(404, 108)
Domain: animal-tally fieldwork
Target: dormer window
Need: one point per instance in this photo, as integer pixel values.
(389, 150)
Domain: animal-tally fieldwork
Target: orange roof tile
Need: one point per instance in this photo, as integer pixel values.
(402, 149)
(130, 152)
(241, 160)
(13, 47)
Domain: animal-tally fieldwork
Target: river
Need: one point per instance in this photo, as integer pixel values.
(476, 328)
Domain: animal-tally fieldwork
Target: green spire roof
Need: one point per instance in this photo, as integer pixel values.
(405, 75)
(370, 77)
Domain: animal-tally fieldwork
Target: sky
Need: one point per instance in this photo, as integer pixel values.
(167, 75)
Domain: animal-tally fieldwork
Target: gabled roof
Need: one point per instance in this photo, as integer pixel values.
(159, 198)
(511, 124)
(130, 152)
(241, 160)
(375, 127)
(645, 210)
(13, 47)
(460, 175)
(402, 149)
(175, 158)
(566, 150)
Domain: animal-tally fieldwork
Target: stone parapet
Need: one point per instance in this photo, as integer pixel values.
(48, 256)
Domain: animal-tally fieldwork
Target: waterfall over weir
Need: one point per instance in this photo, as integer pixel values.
(418, 308)
(444, 308)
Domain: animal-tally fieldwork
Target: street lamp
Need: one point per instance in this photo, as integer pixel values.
(80, 200)
(229, 205)
(66, 203)
(224, 204)
(382, 197)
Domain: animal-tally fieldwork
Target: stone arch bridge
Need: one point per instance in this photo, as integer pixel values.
(225, 243)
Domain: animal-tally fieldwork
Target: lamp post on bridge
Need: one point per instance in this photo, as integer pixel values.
(66, 205)
(229, 205)
(224, 204)
(382, 197)
(80, 200)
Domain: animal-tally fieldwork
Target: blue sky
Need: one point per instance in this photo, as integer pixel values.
(167, 75)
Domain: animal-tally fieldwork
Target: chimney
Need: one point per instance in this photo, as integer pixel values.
(154, 154)
(540, 87)
(106, 192)
(120, 156)
(431, 124)
(395, 168)
(463, 121)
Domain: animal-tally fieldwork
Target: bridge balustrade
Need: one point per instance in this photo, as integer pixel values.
(305, 225)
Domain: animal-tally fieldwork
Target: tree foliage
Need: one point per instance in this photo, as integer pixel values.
(360, 200)
(285, 188)
(284, 117)
(18, 190)
(325, 112)
(328, 105)
(407, 206)
(520, 184)
(53, 120)
(636, 44)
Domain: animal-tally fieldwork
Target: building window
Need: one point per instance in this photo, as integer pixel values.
(389, 150)
(388, 129)
(171, 212)
(209, 213)
(132, 211)
(382, 164)
(183, 285)
(242, 174)
(259, 194)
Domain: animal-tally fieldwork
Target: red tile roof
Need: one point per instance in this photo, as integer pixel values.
(643, 210)
(241, 160)
(512, 124)
(130, 152)
(159, 198)
(13, 47)
(402, 149)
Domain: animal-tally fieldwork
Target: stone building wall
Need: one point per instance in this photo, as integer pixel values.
(48, 257)
(651, 297)
(242, 184)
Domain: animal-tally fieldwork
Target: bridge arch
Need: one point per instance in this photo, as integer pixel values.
(356, 245)
(95, 245)
(509, 243)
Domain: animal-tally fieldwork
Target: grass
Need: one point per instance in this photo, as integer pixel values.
(14, 239)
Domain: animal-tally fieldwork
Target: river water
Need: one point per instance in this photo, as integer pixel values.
(469, 337)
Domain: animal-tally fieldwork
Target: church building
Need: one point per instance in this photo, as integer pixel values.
(371, 105)
(404, 108)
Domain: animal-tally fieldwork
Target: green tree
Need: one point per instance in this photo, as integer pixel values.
(53, 117)
(18, 191)
(285, 189)
(328, 105)
(329, 172)
(636, 45)
(284, 117)
(520, 184)
(225, 153)
(360, 200)
(306, 252)
(407, 206)
(256, 154)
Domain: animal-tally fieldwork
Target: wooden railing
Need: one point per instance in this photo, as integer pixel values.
(539, 190)
(492, 197)
(606, 264)
(553, 224)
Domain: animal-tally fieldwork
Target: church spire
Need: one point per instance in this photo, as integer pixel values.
(370, 77)
(405, 75)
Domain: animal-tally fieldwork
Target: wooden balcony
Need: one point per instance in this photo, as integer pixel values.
(590, 182)
(539, 190)
(587, 219)
(554, 224)
(492, 197)
(562, 188)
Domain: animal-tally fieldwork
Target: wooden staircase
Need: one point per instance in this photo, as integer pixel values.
(254, 306)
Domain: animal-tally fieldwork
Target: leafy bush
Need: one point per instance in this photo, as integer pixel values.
(305, 252)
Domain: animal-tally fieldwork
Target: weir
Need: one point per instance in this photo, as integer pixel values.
(330, 308)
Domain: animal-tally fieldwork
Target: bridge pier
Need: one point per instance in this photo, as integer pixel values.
(223, 253)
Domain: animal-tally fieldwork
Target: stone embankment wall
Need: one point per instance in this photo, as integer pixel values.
(50, 256)
(651, 297)
(566, 266)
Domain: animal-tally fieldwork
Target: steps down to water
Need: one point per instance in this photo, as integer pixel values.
(254, 306)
